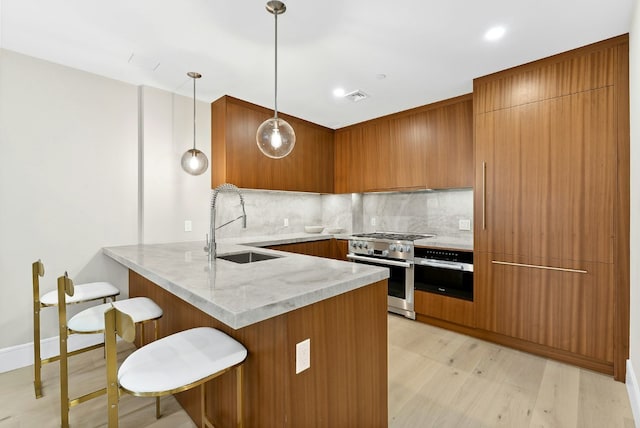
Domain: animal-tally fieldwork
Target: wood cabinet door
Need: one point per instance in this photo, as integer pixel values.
(445, 308)
(246, 166)
(237, 160)
(376, 153)
(569, 309)
(546, 178)
(323, 248)
(349, 161)
(448, 148)
(410, 140)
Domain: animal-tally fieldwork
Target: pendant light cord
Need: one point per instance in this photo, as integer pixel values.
(194, 113)
(275, 102)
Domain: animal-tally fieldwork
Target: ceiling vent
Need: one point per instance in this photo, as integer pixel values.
(356, 95)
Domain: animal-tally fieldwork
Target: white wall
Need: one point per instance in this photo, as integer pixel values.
(68, 153)
(69, 179)
(634, 339)
(170, 195)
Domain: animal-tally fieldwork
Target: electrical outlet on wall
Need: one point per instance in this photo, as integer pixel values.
(286, 222)
(373, 221)
(464, 224)
(188, 227)
(303, 355)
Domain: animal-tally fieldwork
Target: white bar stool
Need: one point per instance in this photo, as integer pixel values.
(139, 309)
(169, 365)
(83, 293)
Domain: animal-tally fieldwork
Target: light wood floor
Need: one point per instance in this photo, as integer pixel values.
(437, 378)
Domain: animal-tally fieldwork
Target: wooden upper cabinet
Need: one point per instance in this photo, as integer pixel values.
(425, 147)
(349, 162)
(448, 153)
(376, 154)
(551, 77)
(236, 158)
(409, 141)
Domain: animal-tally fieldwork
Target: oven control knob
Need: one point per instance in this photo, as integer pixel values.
(392, 247)
(360, 244)
(400, 248)
(385, 253)
(370, 251)
(366, 245)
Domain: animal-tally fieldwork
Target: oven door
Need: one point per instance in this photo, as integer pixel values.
(400, 291)
(451, 279)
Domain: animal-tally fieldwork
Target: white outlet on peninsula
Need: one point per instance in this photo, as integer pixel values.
(188, 227)
(303, 355)
(464, 224)
(286, 222)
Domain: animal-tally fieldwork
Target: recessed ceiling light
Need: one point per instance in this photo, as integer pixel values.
(338, 92)
(495, 33)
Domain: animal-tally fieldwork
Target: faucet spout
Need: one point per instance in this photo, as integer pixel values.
(211, 238)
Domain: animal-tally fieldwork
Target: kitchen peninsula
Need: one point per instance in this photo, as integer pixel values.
(270, 306)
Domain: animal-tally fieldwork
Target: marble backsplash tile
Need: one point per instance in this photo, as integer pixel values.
(266, 211)
(337, 212)
(435, 212)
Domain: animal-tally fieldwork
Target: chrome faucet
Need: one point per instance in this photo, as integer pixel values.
(211, 237)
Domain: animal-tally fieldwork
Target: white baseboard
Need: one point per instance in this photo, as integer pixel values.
(19, 356)
(634, 392)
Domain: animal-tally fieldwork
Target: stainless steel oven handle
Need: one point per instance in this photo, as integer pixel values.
(379, 261)
(445, 264)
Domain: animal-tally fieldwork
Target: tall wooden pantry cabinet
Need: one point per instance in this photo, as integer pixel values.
(552, 205)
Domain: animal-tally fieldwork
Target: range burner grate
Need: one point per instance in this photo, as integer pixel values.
(393, 236)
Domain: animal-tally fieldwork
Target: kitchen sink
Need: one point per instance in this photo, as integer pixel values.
(248, 257)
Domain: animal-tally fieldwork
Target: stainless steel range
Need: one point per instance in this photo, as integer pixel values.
(396, 252)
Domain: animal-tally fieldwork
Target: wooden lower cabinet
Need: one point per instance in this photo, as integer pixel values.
(327, 248)
(346, 385)
(340, 249)
(444, 308)
(567, 308)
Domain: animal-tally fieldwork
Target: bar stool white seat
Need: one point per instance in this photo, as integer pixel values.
(139, 309)
(172, 364)
(91, 320)
(87, 292)
(83, 293)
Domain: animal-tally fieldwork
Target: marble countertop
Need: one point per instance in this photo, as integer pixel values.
(446, 242)
(243, 294)
(279, 239)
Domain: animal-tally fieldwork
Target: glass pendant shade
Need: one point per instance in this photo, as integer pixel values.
(275, 138)
(194, 162)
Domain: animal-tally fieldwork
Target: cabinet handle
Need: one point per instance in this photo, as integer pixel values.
(538, 267)
(484, 196)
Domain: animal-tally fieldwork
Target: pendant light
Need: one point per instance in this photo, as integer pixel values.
(193, 161)
(275, 137)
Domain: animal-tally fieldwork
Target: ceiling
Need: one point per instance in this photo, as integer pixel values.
(428, 50)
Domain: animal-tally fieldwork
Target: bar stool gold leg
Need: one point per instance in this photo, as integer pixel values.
(239, 416)
(37, 270)
(112, 370)
(37, 358)
(64, 368)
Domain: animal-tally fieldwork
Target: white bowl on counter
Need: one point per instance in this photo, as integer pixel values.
(334, 230)
(313, 229)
